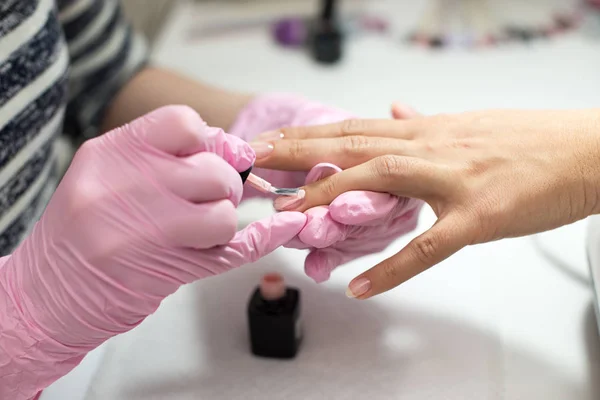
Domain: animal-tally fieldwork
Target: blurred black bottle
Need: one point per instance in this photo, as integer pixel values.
(274, 319)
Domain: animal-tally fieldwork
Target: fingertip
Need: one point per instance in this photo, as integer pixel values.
(319, 264)
(321, 230)
(290, 202)
(321, 171)
(232, 149)
(296, 243)
(319, 193)
(361, 207)
(315, 267)
(359, 288)
(403, 111)
(288, 224)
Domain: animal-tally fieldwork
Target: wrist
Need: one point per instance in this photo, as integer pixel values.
(590, 162)
(30, 360)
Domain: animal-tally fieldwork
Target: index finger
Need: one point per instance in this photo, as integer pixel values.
(180, 131)
(402, 129)
(399, 175)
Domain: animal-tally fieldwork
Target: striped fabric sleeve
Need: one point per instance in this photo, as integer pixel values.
(105, 53)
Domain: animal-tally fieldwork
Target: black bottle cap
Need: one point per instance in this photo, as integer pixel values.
(326, 41)
(436, 42)
(245, 174)
(327, 46)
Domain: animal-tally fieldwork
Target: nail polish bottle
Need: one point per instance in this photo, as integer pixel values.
(274, 319)
(327, 38)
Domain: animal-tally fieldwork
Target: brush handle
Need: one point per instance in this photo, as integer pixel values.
(244, 175)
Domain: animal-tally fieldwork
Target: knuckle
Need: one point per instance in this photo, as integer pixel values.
(390, 271)
(389, 165)
(88, 151)
(352, 126)
(87, 147)
(183, 117)
(426, 247)
(354, 145)
(296, 149)
(329, 188)
(476, 167)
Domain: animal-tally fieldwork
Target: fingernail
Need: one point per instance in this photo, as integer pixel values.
(358, 287)
(269, 136)
(261, 149)
(286, 203)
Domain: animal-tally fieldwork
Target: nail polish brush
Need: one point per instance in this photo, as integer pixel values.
(265, 187)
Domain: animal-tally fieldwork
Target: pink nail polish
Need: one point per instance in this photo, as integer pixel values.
(262, 149)
(358, 287)
(269, 136)
(285, 203)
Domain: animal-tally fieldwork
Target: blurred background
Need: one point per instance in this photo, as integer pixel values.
(438, 55)
(484, 21)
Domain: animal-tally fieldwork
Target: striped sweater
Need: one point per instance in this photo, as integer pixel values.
(61, 62)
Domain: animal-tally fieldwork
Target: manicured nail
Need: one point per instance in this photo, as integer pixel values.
(261, 149)
(358, 287)
(286, 203)
(269, 136)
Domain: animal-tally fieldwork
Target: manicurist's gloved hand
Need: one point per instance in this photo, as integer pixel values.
(355, 224)
(141, 211)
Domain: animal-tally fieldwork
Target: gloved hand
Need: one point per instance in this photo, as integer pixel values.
(141, 211)
(355, 224)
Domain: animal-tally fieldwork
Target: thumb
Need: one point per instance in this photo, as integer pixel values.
(232, 149)
(257, 240)
(448, 235)
(321, 262)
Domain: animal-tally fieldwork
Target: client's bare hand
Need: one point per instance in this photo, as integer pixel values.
(487, 175)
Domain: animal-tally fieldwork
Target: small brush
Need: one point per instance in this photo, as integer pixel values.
(265, 187)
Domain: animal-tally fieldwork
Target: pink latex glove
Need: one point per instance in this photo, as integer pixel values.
(141, 211)
(355, 224)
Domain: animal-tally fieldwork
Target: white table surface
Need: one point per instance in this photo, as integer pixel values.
(496, 321)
